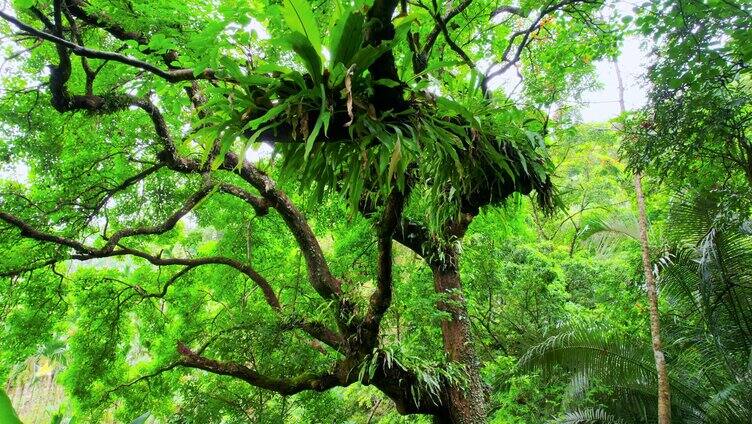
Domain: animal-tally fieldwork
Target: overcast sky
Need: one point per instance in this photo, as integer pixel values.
(603, 104)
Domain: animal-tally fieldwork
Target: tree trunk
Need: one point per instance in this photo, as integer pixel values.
(465, 405)
(664, 397)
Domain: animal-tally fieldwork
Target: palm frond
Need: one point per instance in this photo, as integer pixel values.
(606, 233)
(588, 416)
(733, 404)
(591, 351)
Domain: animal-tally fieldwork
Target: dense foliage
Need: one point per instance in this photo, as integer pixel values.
(265, 211)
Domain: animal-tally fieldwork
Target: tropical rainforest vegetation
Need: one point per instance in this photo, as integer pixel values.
(373, 211)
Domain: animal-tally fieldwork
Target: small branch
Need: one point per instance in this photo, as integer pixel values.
(514, 10)
(124, 185)
(434, 34)
(176, 75)
(169, 283)
(525, 34)
(165, 226)
(457, 49)
(157, 372)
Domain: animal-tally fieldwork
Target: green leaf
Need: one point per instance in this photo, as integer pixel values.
(438, 65)
(324, 116)
(394, 161)
(268, 116)
(346, 38)
(255, 136)
(226, 143)
(232, 68)
(337, 75)
(300, 18)
(307, 52)
(7, 414)
(199, 69)
(451, 108)
(323, 119)
(141, 419)
(367, 55)
(387, 83)
(25, 4)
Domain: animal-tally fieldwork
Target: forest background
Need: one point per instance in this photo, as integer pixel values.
(272, 325)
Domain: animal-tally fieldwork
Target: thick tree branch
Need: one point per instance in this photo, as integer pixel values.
(414, 236)
(260, 205)
(381, 29)
(323, 333)
(115, 30)
(399, 384)
(30, 232)
(382, 296)
(114, 248)
(321, 277)
(283, 386)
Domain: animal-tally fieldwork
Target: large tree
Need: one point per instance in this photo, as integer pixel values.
(132, 116)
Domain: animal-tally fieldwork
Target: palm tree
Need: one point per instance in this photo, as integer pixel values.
(706, 280)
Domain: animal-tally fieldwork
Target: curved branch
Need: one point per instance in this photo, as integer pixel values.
(381, 298)
(110, 193)
(260, 205)
(514, 10)
(525, 34)
(165, 226)
(30, 232)
(85, 252)
(283, 386)
(325, 284)
(175, 75)
(457, 49)
(315, 329)
(434, 34)
(115, 30)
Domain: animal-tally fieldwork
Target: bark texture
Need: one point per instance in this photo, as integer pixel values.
(464, 404)
(664, 396)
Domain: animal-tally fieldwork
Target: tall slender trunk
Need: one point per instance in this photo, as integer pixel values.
(465, 405)
(664, 396)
